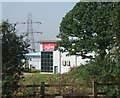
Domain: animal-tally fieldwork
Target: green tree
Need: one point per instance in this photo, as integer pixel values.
(93, 28)
(13, 48)
(90, 27)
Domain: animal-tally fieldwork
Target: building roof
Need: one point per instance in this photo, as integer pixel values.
(36, 54)
(45, 41)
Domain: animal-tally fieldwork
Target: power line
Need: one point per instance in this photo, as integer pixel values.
(30, 32)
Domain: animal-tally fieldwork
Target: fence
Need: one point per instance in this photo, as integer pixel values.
(93, 90)
(115, 85)
(72, 95)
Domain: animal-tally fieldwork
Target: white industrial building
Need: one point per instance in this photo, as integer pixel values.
(51, 61)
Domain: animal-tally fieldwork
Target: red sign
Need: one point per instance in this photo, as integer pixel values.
(48, 46)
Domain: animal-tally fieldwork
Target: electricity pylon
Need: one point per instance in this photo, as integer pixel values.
(30, 32)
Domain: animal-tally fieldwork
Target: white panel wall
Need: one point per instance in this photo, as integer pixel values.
(56, 61)
(70, 59)
(35, 62)
(41, 47)
(60, 58)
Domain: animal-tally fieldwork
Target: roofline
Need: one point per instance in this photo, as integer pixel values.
(47, 41)
(32, 55)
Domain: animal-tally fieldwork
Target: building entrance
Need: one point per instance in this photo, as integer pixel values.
(47, 61)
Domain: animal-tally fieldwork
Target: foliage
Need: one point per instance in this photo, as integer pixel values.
(36, 78)
(93, 70)
(80, 87)
(92, 30)
(90, 27)
(13, 48)
(31, 79)
(109, 72)
(27, 70)
(75, 87)
(79, 73)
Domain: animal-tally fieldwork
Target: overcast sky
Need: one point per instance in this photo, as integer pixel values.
(50, 14)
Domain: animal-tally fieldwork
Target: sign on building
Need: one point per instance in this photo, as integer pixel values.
(48, 46)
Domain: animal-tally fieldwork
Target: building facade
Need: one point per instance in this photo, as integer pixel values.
(52, 61)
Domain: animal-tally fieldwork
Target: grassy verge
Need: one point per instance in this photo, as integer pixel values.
(36, 78)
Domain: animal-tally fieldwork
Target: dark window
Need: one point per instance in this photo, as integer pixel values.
(64, 63)
(47, 61)
(68, 63)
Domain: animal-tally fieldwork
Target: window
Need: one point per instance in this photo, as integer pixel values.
(47, 61)
(66, 63)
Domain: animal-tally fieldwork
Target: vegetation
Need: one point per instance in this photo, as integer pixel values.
(92, 30)
(36, 78)
(31, 79)
(27, 70)
(13, 48)
(80, 88)
(89, 29)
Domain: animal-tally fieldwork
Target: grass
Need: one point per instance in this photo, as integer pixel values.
(36, 78)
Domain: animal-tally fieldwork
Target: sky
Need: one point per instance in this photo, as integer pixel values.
(50, 15)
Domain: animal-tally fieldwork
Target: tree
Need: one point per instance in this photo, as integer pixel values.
(90, 27)
(93, 28)
(13, 48)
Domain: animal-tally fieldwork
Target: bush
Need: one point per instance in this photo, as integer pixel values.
(75, 87)
(28, 70)
(13, 48)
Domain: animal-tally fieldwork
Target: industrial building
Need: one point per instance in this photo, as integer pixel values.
(52, 61)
